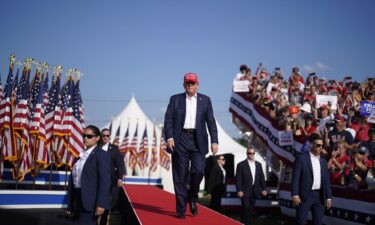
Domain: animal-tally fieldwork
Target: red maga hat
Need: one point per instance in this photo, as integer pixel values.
(191, 77)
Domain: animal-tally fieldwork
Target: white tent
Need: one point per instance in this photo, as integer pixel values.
(132, 115)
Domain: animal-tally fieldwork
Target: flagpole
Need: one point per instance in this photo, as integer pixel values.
(34, 162)
(19, 151)
(51, 161)
(66, 166)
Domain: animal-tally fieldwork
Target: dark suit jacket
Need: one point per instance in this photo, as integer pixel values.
(95, 182)
(215, 180)
(175, 119)
(117, 164)
(302, 177)
(244, 179)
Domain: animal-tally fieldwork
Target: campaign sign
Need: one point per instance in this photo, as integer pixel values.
(367, 108)
(371, 118)
(285, 138)
(324, 99)
(241, 86)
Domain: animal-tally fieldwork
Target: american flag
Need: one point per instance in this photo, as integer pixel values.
(125, 142)
(15, 84)
(45, 91)
(53, 114)
(76, 124)
(36, 84)
(21, 125)
(37, 125)
(133, 149)
(65, 157)
(6, 119)
(154, 160)
(80, 104)
(22, 108)
(165, 159)
(66, 105)
(63, 130)
(26, 158)
(142, 154)
(116, 141)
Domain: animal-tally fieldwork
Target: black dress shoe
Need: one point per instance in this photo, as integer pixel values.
(193, 208)
(180, 215)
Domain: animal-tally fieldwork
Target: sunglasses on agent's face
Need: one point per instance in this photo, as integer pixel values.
(88, 136)
(318, 145)
(251, 153)
(105, 135)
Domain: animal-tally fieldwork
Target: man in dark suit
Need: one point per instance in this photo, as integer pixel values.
(311, 188)
(186, 120)
(117, 170)
(250, 184)
(216, 183)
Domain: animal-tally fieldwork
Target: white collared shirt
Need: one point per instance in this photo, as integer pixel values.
(78, 167)
(105, 147)
(315, 161)
(224, 173)
(191, 111)
(252, 168)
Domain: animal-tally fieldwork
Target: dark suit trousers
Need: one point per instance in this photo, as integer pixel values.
(313, 202)
(115, 196)
(248, 206)
(82, 216)
(216, 195)
(183, 177)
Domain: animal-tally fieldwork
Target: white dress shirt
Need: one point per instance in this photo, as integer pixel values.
(191, 111)
(252, 168)
(224, 173)
(78, 167)
(315, 161)
(105, 147)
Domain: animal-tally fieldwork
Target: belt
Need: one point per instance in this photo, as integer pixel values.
(316, 190)
(189, 131)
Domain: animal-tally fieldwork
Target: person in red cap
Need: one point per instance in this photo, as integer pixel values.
(188, 116)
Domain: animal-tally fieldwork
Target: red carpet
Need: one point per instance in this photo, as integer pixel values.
(153, 206)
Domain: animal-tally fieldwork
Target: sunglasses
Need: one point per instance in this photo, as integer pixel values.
(105, 135)
(88, 136)
(318, 145)
(222, 159)
(251, 153)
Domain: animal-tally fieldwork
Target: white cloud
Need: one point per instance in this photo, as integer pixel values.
(322, 67)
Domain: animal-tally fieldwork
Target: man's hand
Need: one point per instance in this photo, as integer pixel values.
(214, 148)
(119, 183)
(264, 193)
(99, 211)
(170, 144)
(240, 194)
(296, 200)
(329, 203)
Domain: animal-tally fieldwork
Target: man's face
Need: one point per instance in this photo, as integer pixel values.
(317, 147)
(191, 88)
(106, 136)
(250, 154)
(222, 160)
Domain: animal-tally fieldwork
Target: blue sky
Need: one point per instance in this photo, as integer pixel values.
(145, 47)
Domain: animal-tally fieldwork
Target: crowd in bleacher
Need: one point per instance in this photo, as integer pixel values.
(349, 138)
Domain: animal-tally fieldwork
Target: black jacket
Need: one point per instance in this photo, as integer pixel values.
(244, 180)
